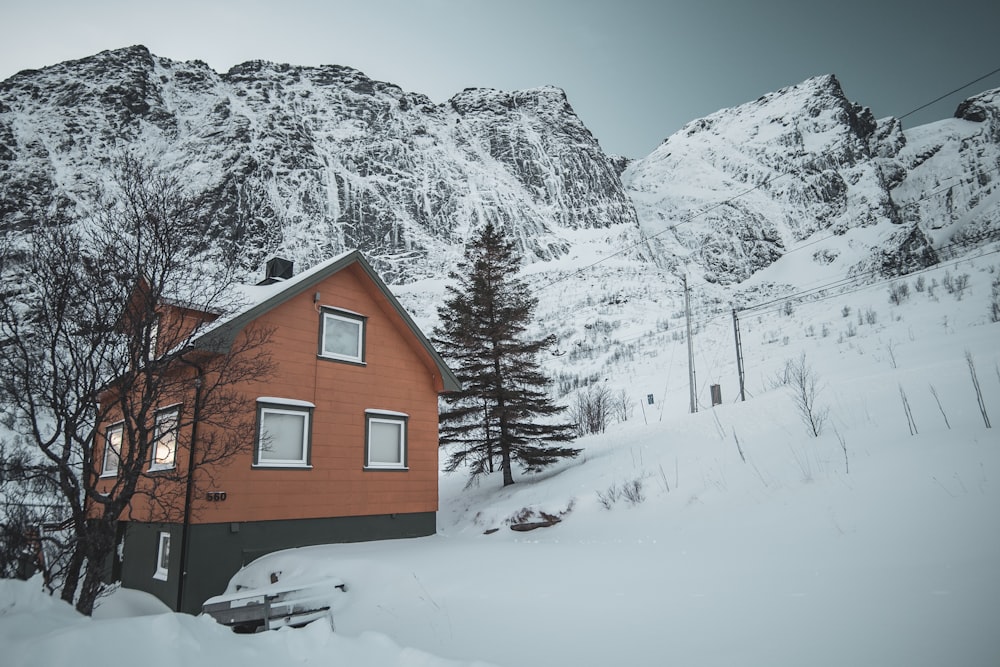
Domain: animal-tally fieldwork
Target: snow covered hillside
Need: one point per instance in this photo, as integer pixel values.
(729, 536)
(876, 543)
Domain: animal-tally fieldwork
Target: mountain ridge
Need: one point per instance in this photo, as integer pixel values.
(310, 161)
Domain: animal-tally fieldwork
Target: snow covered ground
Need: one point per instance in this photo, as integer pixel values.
(867, 545)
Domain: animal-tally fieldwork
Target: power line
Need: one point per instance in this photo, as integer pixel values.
(942, 190)
(938, 99)
(868, 285)
(766, 181)
(986, 236)
(852, 283)
(644, 239)
(846, 281)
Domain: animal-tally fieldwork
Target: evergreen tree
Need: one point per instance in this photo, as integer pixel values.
(501, 414)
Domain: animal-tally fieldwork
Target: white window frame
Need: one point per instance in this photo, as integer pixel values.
(107, 471)
(301, 409)
(162, 570)
(173, 414)
(329, 314)
(386, 417)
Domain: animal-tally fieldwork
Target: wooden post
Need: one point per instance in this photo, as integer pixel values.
(691, 377)
(739, 353)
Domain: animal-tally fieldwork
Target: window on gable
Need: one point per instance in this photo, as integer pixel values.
(165, 438)
(112, 450)
(162, 557)
(385, 440)
(283, 433)
(342, 336)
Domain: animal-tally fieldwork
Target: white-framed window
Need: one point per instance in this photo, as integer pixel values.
(112, 450)
(162, 557)
(385, 440)
(342, 336)
(283, 433)
(165, 429)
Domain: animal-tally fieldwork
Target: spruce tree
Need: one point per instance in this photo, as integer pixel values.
(503, 413)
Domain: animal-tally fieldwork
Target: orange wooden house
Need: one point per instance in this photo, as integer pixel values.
(344, 445)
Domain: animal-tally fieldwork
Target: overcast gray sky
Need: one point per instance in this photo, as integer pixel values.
(635, 71)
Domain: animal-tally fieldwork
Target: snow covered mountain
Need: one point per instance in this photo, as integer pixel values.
(744, 540)
(309, 161)
(736, 190)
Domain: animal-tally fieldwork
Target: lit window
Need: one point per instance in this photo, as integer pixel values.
(342, 336)
(162, 557)
(385, 441)
(283, 433)
(112, 450)
(165, 439)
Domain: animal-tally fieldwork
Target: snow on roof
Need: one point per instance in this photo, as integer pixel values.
(219, 335)
(253, 295)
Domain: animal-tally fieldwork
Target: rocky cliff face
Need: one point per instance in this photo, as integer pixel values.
(736, 190)
(309, 161)
(950, 174)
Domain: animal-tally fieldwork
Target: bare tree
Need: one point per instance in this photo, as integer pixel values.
(805, 388)
(592, 410)
(621, 406)
(104, 328)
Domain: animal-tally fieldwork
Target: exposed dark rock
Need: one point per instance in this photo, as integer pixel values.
(906, 251)
(310, 161)
(313, 160)
(972, 110)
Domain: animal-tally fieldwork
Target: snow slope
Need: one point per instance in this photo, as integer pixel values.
(868, 545)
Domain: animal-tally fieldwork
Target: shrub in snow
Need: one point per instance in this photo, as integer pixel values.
(592, 410)
(960, 284)
(632, 491)
(621, 406)
(898, 293)
(609, 497)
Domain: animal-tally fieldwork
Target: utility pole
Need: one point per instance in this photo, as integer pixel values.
(691, 380)
(739, 352)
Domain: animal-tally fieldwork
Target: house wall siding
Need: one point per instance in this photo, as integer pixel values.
(398, 375)
(335, 499)
(139, 552)
(219, 550)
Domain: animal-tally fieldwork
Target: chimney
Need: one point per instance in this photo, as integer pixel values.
(277, 269)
